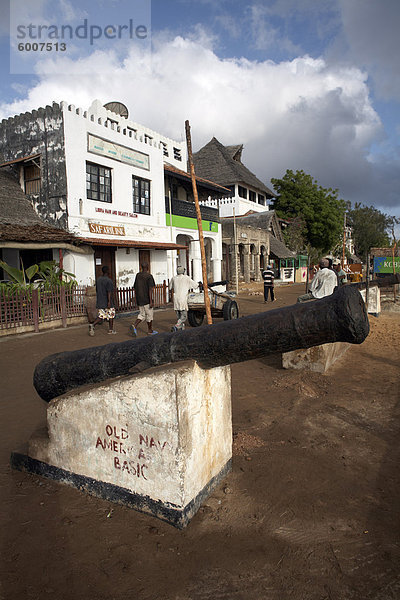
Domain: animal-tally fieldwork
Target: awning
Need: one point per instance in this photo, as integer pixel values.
(18, 160)
(132, 244)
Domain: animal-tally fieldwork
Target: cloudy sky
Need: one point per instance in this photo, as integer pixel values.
(303, 84)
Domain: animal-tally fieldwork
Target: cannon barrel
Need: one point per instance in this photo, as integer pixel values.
(340, 317)
(386, 281)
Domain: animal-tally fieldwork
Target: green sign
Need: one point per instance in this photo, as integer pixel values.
(190, 223)
(384, 264)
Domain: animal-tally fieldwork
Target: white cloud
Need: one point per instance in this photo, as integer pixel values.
(299, 114)
(264, 35)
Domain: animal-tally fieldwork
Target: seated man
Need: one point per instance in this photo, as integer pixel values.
(323, 283)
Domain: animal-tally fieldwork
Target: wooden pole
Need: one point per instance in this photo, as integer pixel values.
(236, 255)
(394, 269)
(344, 240)
(199, 224)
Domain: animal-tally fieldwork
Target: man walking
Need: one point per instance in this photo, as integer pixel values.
(268, 276)
(104, 302)
(143, 286)
(180, 285)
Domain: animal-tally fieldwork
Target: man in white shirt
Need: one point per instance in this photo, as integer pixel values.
(323, 283)
(180, 286)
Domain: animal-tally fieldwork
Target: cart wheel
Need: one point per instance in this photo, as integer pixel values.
(195, 318)
(230, 310)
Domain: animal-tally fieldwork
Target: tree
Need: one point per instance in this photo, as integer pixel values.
(369, 227)
(299, 195)
(294, 234)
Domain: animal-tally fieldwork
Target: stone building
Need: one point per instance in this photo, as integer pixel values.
(249, 243)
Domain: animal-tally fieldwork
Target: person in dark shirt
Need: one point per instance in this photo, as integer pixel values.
(268, 276)
(104, 302)
(143, 286)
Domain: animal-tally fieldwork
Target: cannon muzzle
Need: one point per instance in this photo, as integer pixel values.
(341, 317)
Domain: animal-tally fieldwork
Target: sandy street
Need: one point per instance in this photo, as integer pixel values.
(310, 511)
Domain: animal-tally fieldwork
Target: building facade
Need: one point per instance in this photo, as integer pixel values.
(108, 180)
(251, 233)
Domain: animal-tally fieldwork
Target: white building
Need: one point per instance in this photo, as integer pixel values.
(223, 165)
(120, 187)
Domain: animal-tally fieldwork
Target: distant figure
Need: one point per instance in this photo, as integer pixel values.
(180, 285)
(144, 285)
(268, 276)
(323, 283)
(104, 302)
(340, 274)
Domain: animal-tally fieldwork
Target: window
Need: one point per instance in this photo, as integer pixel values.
(165, 148)
(98, 183)
(252, 196)
(32, 179)
(177, 154)
(242, 191)
(261, 199)
(141, 195)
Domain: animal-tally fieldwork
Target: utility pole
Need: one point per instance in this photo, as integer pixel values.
(344, 240)
(235, 254)
(199, 224)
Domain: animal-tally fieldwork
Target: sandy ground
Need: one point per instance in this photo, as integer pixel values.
(310, 510)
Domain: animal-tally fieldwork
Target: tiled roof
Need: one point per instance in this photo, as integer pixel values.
(279, 249)
(222, 164)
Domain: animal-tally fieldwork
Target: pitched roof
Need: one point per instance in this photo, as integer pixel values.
(19, 221)
(222, 164)
(279, 249)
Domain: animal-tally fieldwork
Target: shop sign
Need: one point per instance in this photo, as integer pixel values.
(116, 152)
(100, 229)
(384, 264)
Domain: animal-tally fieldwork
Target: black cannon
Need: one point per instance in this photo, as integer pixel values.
(340, 317)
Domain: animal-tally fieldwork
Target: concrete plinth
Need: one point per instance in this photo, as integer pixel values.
(317, 359)
(159, 442)
(374, 299)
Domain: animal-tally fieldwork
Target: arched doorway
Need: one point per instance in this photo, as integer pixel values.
(208, 252)
(183, 256)
(263, 252)
(241, 261)
(253, 269)
(225, 267)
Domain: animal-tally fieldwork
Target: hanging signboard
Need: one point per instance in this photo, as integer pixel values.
(116, 152)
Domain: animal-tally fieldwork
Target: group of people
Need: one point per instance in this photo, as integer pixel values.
(324, 282)
(144, 289)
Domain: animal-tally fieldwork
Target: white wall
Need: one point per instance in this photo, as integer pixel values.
(241, 206)
(81, 210)
(82, 265)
